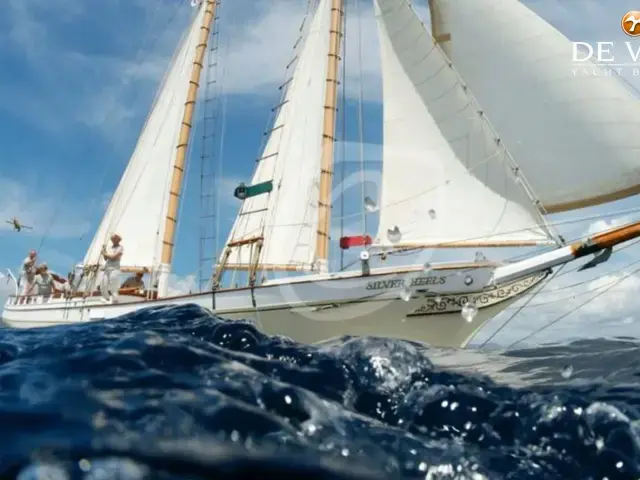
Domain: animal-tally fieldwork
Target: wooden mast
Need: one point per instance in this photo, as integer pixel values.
(438, 27)
(328, 134)
(177, 176)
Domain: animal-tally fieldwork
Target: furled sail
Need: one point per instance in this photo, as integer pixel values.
(287, 217)
(139, 205)
(446, 180)
(572, 128)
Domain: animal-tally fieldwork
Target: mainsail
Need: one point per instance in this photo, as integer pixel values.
(138, 208)
(447, 178)
(286, 219)
(573, 128)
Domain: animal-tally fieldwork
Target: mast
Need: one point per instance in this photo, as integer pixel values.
(328, 135)
(175, 190)
(438, 28)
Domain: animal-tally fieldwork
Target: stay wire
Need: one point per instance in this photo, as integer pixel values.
(555, 274)
(139, 59)
(343, 162)
(361, 120)
(573, 310)
(531, 297)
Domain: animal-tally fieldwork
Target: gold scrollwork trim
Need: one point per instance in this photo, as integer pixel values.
(454, 303)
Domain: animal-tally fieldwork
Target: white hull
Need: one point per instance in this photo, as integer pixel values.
(313, 309)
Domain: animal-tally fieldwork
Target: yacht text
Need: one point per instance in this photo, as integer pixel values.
(401, 282)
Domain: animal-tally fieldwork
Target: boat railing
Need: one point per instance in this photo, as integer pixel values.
(38, 299)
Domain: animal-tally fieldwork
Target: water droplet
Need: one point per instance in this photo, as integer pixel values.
(469, 312)
(432, 214)
(405, 294)
(394, 234)
(468, 280)
(426, 267)
(480, 257)
(567, 371)
(370, 204)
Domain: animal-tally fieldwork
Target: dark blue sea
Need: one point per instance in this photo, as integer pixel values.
(175, 393)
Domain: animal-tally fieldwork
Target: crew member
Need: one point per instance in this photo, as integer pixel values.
(111, 275)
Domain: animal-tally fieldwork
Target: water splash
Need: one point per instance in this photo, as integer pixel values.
(370, 205)
(469, 311)
(394, 235)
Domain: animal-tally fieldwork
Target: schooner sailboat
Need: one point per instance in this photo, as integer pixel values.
(486, 130)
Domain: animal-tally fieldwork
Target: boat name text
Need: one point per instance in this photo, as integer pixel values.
(401, 282)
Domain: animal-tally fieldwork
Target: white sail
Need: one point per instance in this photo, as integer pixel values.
(446, 180)
(287, 218)
(574, 136)
(138, 208)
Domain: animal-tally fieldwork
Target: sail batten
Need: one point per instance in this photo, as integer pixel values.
(284, 221)
(138, 208)
(447, 180)
(574, 136)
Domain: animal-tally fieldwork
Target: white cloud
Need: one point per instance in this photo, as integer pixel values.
(259, 51)
(599, 302)
(605, 224)
(73, 83)
(106, 88)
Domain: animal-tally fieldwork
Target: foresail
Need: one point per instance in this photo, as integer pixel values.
(287, 218)
(572, 128)
(139, 205)
(446, 180)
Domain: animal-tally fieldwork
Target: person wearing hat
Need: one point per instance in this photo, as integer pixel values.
(111, 274)
(134, 282)
(44, 281)
(29, 274)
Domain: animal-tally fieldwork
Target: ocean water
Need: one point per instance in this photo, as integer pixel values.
(176, 393)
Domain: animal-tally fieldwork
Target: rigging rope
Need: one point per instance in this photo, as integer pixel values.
(531, 297)
(565, 315)
(360, 122)
(413, 250)
(242, 220)
(556, 275)
(344, 131)
(138, 60)
(223, 131)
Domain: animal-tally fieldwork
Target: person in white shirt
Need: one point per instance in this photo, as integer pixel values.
(44, 281)
(29, 274)
(111, 275)
(134, 282)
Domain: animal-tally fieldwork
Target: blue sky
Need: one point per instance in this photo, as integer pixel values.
(77, 78)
